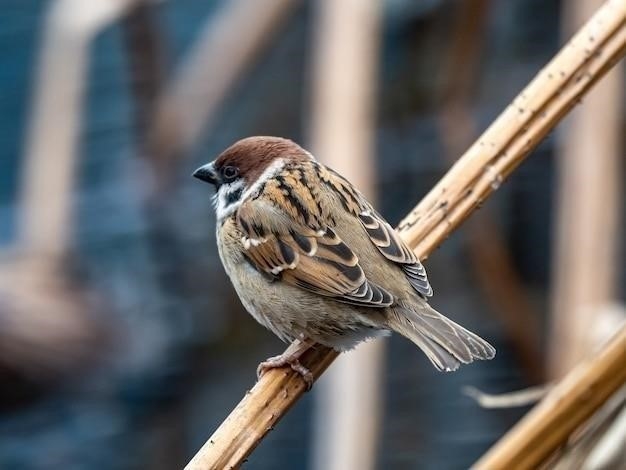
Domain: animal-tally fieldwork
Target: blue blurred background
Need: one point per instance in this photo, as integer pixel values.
(128, 347)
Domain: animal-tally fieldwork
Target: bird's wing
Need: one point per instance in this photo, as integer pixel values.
(284, 239)
(380, 232)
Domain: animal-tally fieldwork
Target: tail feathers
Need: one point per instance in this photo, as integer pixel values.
(446, 343)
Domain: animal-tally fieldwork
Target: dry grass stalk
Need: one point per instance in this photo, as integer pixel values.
(525, 397)
(479, 172)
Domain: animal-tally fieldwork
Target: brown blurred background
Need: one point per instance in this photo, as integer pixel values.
(122, 344)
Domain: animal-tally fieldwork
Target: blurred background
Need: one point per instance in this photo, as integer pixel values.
(122, 344)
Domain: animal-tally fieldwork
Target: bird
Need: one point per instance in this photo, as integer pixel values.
(312, 260)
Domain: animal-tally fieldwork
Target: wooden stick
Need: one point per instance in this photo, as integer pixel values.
(479, 172)
(568, 405)
(258, 412)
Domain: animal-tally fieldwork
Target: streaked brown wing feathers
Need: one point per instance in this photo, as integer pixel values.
(310, 256)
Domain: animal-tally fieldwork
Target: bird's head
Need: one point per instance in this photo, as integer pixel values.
(245, 166)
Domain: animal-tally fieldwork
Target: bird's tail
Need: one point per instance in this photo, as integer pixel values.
(447, 344)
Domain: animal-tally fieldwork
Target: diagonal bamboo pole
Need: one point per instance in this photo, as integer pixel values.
(479, 172)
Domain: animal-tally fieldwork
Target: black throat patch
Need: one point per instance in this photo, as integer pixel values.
(233, 196)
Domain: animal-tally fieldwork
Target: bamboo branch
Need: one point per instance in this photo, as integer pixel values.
(568, 405)
(479, 172)
(270, 398)
(598, 443)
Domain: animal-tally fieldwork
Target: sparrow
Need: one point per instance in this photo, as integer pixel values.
(311, 259)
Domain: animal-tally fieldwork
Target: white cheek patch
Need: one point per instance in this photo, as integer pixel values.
(228, 198)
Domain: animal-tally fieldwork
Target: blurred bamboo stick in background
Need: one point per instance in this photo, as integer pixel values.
(52, 139)
(227, 46)
(346, 47)
(587, 212)
(491, 259)
(46, 317)
(477, 174)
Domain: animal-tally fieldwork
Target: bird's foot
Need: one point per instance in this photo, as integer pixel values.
(291, 359)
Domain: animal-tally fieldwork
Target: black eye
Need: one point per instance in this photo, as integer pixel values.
(230, 173)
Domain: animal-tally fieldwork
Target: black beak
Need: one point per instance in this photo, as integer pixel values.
(207, 174)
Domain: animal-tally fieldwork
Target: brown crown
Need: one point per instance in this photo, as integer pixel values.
(253, 155)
